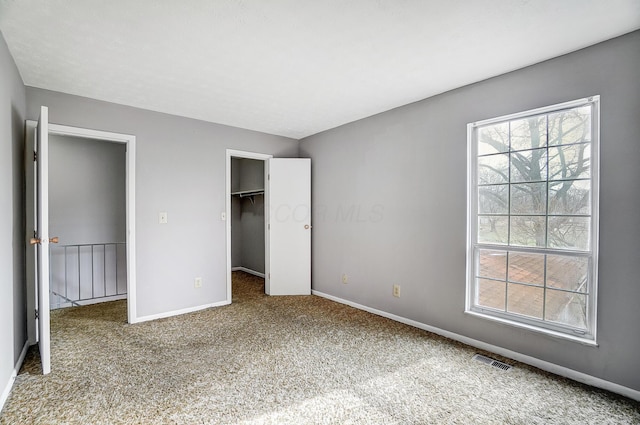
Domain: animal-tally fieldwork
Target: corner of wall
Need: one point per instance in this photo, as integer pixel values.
(13, 327)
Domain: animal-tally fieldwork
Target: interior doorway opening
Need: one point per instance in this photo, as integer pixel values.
(87, 212)
(34, 182)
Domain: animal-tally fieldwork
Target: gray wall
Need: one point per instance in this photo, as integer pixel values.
(247, 230)
(13, 322)
(236, 231)
(389, 196)
(86, 190)
(180, 169)
(252, 223)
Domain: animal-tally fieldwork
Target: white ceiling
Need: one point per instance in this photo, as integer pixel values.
(291, 67)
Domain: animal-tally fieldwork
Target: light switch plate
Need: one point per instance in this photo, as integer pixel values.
(163, 218)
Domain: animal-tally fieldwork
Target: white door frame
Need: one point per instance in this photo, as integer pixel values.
(130, 146)
(231, 153)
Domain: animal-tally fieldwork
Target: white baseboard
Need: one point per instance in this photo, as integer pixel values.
(523, 358)
(12, 379)
(246, 270)
(179, 312)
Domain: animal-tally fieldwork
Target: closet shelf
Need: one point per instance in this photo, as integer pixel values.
(248, 194)
(245, 193)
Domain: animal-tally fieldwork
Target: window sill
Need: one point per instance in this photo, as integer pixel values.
(585, 341)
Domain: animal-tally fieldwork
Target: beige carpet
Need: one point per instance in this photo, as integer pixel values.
(283, 360)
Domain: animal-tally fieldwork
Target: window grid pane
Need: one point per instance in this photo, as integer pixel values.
(502, 158)
(546, 205)
(558, 289)
(492, 293)
(525, 300)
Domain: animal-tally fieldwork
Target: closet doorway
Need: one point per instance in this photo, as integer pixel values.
(284, 218)
(246, 218)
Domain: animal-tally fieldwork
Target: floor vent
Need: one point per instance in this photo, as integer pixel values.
(491, 362)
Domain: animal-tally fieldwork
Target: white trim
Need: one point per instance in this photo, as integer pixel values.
(471, 198)
(130, 158)
(523, 358)
(14, 374)
(86, 133)
(179, 312)
(539, 111)
(131, 231)
(595, 209)
(533, 328)
(586, 336)
(246, 270)
(232, 153)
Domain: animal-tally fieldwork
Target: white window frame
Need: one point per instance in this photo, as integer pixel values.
(587, 336)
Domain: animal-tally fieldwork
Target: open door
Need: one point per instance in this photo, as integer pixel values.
(288, 195)
(41, 238)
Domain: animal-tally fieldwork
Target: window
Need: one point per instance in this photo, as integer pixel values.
(533, 219)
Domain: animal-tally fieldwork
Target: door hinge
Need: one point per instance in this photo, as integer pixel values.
(35, 156)
(268, 176)
(268, 227)
(37, 315)
(269, 275)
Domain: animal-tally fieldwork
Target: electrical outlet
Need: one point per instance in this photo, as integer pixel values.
(345, 278)
(197, 283)
(163, 218)
(396, 291)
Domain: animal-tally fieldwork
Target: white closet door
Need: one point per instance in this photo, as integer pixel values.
(288, 194)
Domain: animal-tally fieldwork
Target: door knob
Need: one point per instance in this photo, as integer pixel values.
(307, 227)
(34, 241)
